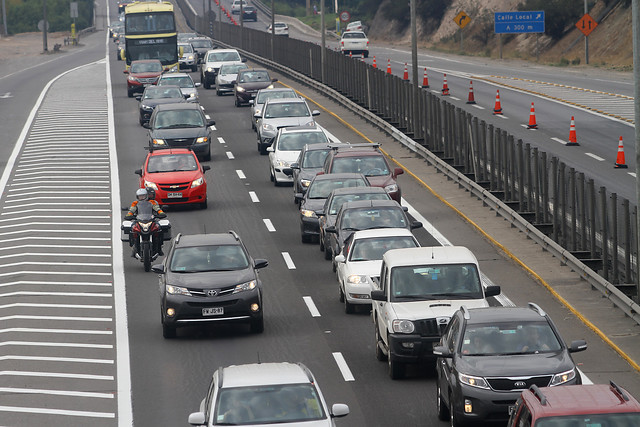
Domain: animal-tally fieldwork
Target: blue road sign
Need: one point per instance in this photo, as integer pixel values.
(519, 22)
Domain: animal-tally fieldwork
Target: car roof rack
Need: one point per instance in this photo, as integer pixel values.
(234, 234)
(306, 371)
(537, 309)
(220, 370)
(358, 145)
(618, 391)
(465, 312)
(538, 394)
(178, 238)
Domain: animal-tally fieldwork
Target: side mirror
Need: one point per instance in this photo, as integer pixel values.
(577, 345)
(492, 291)
(287, 171)
(330, 229)
(125, 71)
(197, 419)
(146, 125)
(298, 197)
(205, 168)
(315, 113)
(442, 351)
(251, 102)
(339, 410)
(257, 115)
(260, 263)
(378, 295)
(398, 171)
(416, 224)
(158, 268)
(197, 84)
(138, 172)
(234, 82)
(274, 80)
(270, 149)
(340, 258)
(211, 123)
(138, 96)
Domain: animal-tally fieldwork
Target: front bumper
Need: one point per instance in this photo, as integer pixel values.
(181, 195)
(309, 226)
(357, 293)
(411, 348)
(189, 310)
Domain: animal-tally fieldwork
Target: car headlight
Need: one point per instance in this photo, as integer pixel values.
(192, 96)
(357, 279)
(150, 184)
(402, 326)
(563, 377)
(197, 182)
(270, 87)
(305, 182)
(308, 213)
(281, 163)
(177, 290)
(267, 127)
(257, 111)
(478, 382)
(240, 89)
(310, 123)
(209, 70)
(391, 188)
(245, 286)
(132, 79)
(146, 107)
(158, 142)
(190, 57)
(173, 69)
(202, 140)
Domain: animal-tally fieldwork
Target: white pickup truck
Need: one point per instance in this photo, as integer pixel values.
(418, 291)
(354, 42)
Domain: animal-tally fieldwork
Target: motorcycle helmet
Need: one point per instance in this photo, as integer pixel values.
(151, 193)
(142, 194)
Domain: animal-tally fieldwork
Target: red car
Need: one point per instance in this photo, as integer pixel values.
(176, 176)
(142, 73)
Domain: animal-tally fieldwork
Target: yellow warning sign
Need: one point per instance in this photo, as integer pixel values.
(462, 19)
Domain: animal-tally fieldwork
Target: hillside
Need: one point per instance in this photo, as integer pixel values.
(610, 44)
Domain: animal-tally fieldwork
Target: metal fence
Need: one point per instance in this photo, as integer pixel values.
(594, 225)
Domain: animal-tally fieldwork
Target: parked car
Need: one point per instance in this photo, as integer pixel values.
(212, 62)
(181, 125)
(488, 356)
(327, 215)
(365, 215)
(368, 160)
(249, 82)
(271, 393)
(184, 81)
(201, 45)
(176, 176)
(279, 29)
(576, 405)
(418, 292)
(354, 42)
(236, 5)
(278, 113)
(286, 148)
(189, 57)
(210, 278)
(309, 163)
(227, 75)
(142, 73)
(318, 191)
(155, 95)
(360, 262)
(250, 13)
(257, 103)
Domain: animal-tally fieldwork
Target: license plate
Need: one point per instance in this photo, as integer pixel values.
(212, 311)
(174, 195)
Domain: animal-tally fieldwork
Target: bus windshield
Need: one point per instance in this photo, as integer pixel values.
(150, 22)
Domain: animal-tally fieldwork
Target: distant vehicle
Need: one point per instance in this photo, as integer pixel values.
(279, 113)
(155, 95)
(250, 13)
(279, 29)
(354, 42)
(355, 26)
(227, 74)
(189, 58)
(141, 74)
(261, 97)
(116, 28)
(235, 6)
(249, 82)
(212, 62)
(185, 37)
(201, 45)
(184, 81)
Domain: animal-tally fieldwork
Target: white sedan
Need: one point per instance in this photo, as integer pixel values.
(361, 260)
(280, 29)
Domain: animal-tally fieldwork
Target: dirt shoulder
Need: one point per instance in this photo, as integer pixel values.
(29, 45)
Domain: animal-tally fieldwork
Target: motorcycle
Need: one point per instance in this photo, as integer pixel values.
(146, 233)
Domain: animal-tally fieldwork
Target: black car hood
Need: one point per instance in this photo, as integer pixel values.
(515, 365)
(308, 173)
(210, 279)
(178, 133)
(312, 204)
(156, 102)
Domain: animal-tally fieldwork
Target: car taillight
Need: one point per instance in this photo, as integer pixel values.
(342, 43)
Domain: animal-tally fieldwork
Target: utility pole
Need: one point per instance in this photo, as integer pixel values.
(4, 18)
(44, 25)
(635, 11)
(586, 39)
(273, 29)
(323, 41)
(414, 66)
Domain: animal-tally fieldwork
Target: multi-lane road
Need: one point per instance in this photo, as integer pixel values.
(81, 340)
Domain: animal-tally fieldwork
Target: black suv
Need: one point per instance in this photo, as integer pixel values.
(488, 356)
(181, 125)
(210, 278)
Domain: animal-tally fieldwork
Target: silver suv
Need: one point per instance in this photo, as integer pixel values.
(279, 113)
(265, 393)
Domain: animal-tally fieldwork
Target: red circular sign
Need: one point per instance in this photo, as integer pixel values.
(345, 16)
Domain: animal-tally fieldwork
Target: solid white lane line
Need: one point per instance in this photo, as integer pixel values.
(311, 306)
(56, 254)
(53, 246)
(70, 264)
(269, 225)
(593, 156)
(57, 392)
(221, 140)
(344, 368)
(254, 197)
(53, 344)
(454, 98)
(60, 318)
(559, 140)
(57, 359)
(479, 107)
(55, 331)
(57, 412)
(34, 305)
(633, 174)
(230, 155)
(56, 375)
(50, 283)
(241, 174)
(288, 261)
(50, 273)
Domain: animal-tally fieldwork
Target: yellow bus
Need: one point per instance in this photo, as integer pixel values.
(150, 33)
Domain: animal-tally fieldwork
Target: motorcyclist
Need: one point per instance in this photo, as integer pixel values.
(143, 194)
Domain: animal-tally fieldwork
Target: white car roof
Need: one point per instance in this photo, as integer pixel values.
(429, 255)
(263, 374)
(382, 232)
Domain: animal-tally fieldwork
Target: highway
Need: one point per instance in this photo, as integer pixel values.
(82, 342)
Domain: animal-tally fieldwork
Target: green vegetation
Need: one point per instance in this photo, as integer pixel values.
(559, 15)
(23, 15)
(314, 21)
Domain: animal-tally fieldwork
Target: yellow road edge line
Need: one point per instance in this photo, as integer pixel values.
(491, 240)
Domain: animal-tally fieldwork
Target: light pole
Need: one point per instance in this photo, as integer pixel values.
(414, 66)
(323, 42)
(635, 11)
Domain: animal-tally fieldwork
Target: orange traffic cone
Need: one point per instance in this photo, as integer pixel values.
(374, 62)
(350, 54)
(425, 80)
(532, 119)
(405, 76)
(445, 86)
(498, 107)
(573, 138)
(471, 99)
(620, 163)
(388, 66)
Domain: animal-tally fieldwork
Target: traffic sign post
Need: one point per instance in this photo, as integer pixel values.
(586, 25)
(461, 19)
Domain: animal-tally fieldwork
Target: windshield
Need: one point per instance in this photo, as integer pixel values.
(208, 258)
(201, 43)
(366, 165)
(320, 189)
(591, 420)
(262, 96)
(183, 82)
(509, 338)
(172, 163)
(366, 218)
(232, 68)
(223, 56)
(314, 158)
(339, 199)
(151, 22)
(155, 92)
(187, 48)
(145, 211)
(253, 76)
(286, 109)
(268, 404)
(373, 248)
(178, 118)
(146, 67)
(296, 141)
(448, 281)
